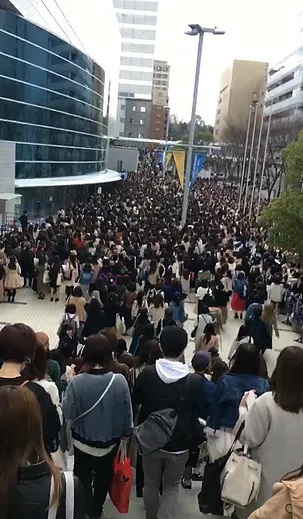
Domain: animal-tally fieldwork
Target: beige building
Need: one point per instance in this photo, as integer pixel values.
(242, 83)
(160, 83)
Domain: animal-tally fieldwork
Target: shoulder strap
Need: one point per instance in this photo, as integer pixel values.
(98, 401)
(52, 510)
(69, 495)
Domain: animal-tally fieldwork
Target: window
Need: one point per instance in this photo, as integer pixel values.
(133, 108)
(141, 122)
(123, 107)
(129, 134)
(142, 109)
(140, 135)
(131, 121)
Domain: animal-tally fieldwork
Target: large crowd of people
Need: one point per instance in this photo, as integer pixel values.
(118, 379)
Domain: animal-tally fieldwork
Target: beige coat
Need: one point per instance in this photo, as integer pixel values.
(286, 503)
(13, 278)
(79, 303)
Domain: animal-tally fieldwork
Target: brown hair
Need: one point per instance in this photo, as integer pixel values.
(37, 369)
(287, 380)
(20, 446)
(268, 313)
(17, 343)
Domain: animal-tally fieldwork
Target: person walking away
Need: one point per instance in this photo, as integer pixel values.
(269, 316)
(42, 287)
(221, 298)
(52, 366)
(2, 275)
(160, 387)
(157, 310)
(27, 472)
(79, 301)
(244, 376)
(272, 414)
(200, 363)
(276, 291)
(166, 321)
(27, 265)
(23, 219)
(141, 322)
(86, 279)
(71, 273)
(177, 307)
(36, 371)
(55, 277)
(203, 319)
(99, 406)
(128, 301)
(260, 330)
(12, 279)
(208, 341)
(239, 295)
(17, 348)
(243, 337)
(95, 320)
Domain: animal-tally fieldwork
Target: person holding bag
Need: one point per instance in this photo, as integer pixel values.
(98, 408)
(274, 425)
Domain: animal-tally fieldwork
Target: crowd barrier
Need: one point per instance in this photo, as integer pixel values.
(294, 308)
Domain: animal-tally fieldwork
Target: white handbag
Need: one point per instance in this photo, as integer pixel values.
(240, 479)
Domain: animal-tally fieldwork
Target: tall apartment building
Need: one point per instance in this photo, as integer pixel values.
(138, 25)
(160, 100)
(241, 83)
(284, 94)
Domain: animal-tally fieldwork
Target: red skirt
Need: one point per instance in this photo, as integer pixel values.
(237, 304)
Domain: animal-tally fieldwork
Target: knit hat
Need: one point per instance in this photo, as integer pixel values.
(201, 360)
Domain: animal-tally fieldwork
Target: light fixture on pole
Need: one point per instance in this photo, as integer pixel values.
(256, 167)
(244, 158)
(255, 104)
(195, 30)
(265, 155)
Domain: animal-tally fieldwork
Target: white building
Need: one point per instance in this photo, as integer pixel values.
(138, 27)
(284, 94)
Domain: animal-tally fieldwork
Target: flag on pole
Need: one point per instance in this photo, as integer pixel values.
(179, 158)
(198, 164)
(168, 156)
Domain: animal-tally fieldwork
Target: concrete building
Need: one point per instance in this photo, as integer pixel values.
(137, 118)
(160, 100)
(59, 95)
(138, 27)
(284, 95)
(241, 83)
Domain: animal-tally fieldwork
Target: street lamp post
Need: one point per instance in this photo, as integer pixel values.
(195, 30)
(244, 158)
(250, 155)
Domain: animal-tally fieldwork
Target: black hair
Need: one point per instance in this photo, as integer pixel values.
(173, 340)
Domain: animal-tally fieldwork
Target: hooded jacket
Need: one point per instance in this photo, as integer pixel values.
(163, 386)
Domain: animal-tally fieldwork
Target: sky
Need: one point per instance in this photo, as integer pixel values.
(263, 30)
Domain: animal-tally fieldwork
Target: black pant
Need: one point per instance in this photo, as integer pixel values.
(69, 291)
(28, 273)
(96, 476)
(11, 294)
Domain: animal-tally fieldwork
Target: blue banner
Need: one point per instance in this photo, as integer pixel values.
(198, 164)
(160, 155)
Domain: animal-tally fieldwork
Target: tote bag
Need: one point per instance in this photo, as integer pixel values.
(122, 481)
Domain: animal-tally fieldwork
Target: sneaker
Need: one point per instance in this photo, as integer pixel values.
(51, 299)
(186, 484)
(57, 299)
(236, 316)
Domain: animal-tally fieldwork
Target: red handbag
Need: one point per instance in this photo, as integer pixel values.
(122, 481)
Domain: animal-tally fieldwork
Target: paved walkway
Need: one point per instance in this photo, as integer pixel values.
(45, 316)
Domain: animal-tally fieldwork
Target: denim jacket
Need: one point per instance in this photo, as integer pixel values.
(229, 392)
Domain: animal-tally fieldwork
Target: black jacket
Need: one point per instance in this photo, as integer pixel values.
(153, 395)
(30, 498)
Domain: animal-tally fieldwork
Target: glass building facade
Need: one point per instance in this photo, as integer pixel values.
(56, 101)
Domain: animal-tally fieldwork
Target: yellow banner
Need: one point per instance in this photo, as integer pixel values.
(179, 158)
(167, 158)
